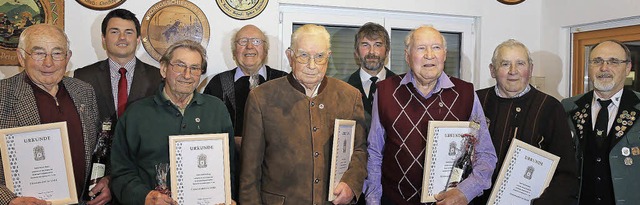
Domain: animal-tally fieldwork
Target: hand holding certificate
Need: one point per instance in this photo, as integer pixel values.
(37, 162)
(343, 136)
(200, 169)
(526, 172)
(446, 143)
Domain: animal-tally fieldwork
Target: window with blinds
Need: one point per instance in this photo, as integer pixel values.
(343, 61)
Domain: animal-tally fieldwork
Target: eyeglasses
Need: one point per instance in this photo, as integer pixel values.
(182, 68)
(303, 57)
(41, 55)
(611, 61)
(245, 41)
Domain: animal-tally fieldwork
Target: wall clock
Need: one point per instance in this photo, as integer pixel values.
(242, 9)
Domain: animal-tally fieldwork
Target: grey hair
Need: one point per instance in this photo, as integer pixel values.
(510, 43)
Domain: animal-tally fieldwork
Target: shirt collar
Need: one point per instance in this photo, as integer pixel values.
(129, 66)
(262, 72)
(525, 91)
(443, 82)
(364, 76)
(615, 99)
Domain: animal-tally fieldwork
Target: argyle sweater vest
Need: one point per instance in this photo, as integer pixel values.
(405, 114)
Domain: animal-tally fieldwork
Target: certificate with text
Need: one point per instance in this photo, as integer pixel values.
(343, 136)
(444, 143)
(200, 171)
(37, 162)
(525, 173)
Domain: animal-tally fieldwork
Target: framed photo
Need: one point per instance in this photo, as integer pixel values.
(525, 173)
(200, 171)
(37, 162)
(343, 136)
(167, 22)
(18, 16)
(445, 141)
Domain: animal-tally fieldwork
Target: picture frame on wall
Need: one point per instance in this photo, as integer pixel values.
(18, 16)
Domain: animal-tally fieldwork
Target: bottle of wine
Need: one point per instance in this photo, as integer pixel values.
(100, 158)
(461, 167)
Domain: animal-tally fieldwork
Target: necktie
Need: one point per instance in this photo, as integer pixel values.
(254, 81)
(122, 91)
(372, 89)
(602, 121)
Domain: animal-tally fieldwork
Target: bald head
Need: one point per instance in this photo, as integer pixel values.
(424, 30)
(251, 56)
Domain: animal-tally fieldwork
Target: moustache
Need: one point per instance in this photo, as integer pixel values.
(604, 75)
(372, 56)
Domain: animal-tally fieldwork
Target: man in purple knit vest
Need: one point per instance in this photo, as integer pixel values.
(402, 107)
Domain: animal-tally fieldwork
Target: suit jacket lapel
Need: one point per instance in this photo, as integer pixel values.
(389, 72)
(140, 82)
(104, 82)
(354, 80)
(626, 116)
(581, 115)
(27, 115)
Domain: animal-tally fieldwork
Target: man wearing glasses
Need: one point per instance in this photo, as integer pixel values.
(42, 94)
(605, 129)
(288, 137)
(250, 49)
(121, 78)
(142, 133)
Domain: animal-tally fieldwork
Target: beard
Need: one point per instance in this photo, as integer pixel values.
(606, 84)
(603, 86)
(373, 65)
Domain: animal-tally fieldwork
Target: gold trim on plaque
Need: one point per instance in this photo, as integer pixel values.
(22, 15)
(169, 21)
(242, 10)
(100, 4)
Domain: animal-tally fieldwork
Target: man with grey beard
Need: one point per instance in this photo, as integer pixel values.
(607, 136)
(372, 48)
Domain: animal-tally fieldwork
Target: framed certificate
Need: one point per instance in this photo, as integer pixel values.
(37, 162)
(200, 171)
(343, 135)
(445, 141)
(525, 173)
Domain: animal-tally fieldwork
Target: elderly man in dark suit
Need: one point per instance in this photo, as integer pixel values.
(42, 94)
(122, 78)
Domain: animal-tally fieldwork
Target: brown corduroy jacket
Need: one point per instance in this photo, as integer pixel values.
(287, 142)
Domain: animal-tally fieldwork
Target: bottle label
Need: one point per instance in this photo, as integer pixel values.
(455, 178)
(97, 171)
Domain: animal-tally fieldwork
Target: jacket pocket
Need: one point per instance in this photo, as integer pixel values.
(271, 198)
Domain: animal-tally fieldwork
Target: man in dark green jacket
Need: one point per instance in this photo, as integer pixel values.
(142, 133)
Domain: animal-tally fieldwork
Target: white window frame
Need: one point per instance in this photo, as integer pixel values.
(468, 26)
